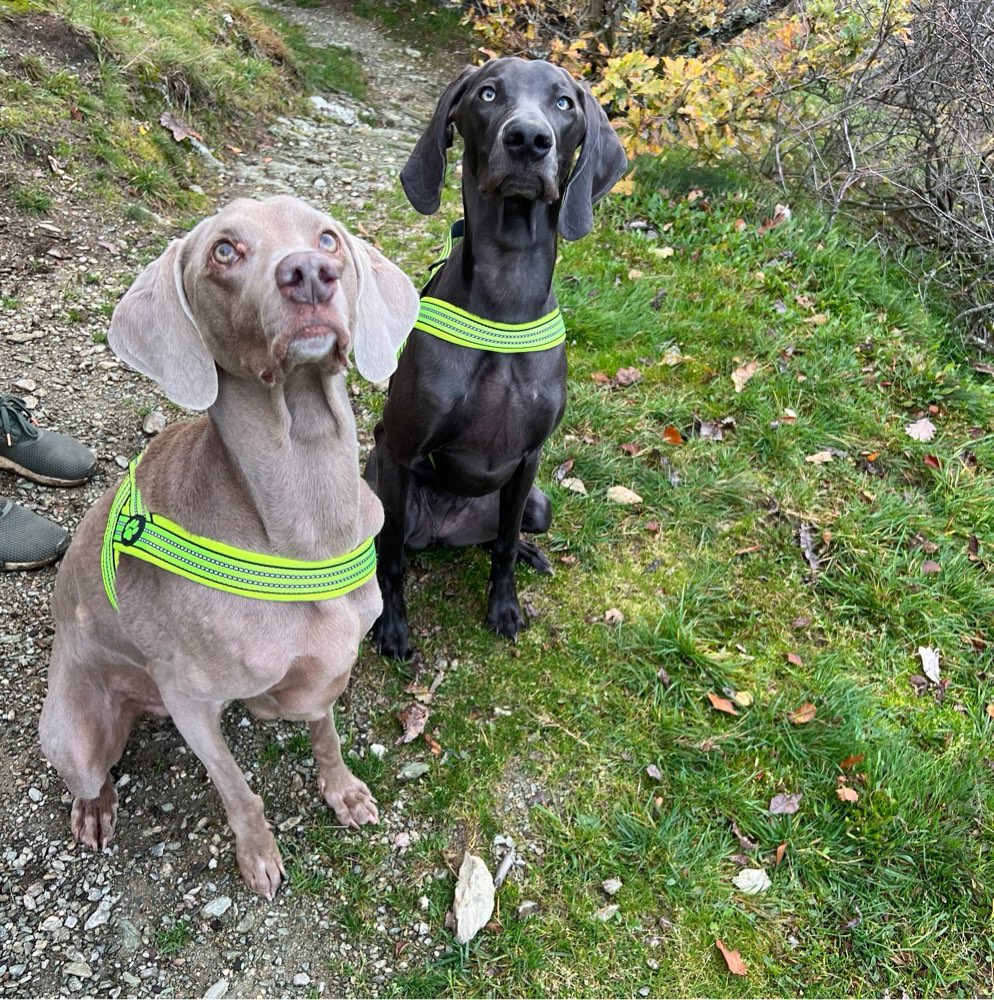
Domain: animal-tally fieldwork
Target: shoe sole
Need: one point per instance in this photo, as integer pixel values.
(37, 477)
(37, 563)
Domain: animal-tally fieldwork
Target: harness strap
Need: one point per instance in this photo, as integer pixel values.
(441, 319)
(132, 529)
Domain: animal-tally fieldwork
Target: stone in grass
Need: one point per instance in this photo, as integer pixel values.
(611, 886)
(413, 771)
(474, 899)
(623, 495)
(217, 906)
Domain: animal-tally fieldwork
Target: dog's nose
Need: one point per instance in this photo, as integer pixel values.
(528, 138)
(307, 277)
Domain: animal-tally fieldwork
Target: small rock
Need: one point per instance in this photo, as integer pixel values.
(121, 461)
(378, 750)
(605, 913)
(474, 899)
(623, 495)
(26, 384)
(611, 885)
(99, 916)
(217, 906)
(79, 969)
(130, 979)
(154, 423)
(35, 795)
(217, 991)
(413, 771)
(527, 909)
(301, 979)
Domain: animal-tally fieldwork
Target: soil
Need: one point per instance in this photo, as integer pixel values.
(77, 923)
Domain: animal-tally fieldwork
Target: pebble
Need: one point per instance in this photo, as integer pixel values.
(154, 423)
(79, 969)
(218, 990)
(217, 906)
(413, 771)
(301, 979)
(611, 886)
(99, 916)
(378, 750)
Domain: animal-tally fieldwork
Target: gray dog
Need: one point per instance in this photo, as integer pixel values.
(482, 381)
(235, 561)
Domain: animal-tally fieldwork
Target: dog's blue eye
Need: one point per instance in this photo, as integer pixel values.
(224, 253)
(564, 104)
(488, 94)
(328, 242)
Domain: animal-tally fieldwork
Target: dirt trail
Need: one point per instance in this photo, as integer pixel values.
(77, 923)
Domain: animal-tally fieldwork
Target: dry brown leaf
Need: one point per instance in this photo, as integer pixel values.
(990, 711)
(795, 660)
(743, 373)
(932, 462)
(721, 704)
(851, 761)
(413, 719)
(847, 794)
(781, 851)
(732, 959)
(931, 566)
(672, 436)
(803, 714)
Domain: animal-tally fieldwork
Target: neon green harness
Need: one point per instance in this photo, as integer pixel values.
(134, 530)
(448, 322)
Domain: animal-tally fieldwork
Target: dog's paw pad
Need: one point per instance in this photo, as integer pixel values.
(93, 820)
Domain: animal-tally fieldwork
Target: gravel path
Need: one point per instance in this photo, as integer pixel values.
(77, 923)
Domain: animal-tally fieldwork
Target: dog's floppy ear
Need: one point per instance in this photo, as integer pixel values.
(424, 172)
(386, 307)
(153, 330)
(601, 164)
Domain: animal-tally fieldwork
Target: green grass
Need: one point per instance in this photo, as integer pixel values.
(225, 70)
(174, 938)
(638, 776)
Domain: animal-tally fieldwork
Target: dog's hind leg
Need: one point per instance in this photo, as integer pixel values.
(84, 727)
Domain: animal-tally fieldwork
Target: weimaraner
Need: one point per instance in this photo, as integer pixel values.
(463, 426)
(251, 316)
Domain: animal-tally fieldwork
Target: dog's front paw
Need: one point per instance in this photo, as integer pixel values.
(350, 799)
(392, 638)
(93, 820)
(260, 862)
(505, 618)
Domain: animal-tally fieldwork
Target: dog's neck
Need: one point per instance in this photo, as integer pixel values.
(502, 268)
(298, 467)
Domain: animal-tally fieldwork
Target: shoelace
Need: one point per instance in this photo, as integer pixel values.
(15, 416)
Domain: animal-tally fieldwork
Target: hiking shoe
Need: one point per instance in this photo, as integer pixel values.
(43, 456)
(28, 540)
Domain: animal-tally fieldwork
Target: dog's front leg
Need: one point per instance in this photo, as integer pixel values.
(349, 798)
(392, 483)
(503, 611)
(199, 723)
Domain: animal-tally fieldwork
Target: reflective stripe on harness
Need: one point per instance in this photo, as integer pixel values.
(134, 530)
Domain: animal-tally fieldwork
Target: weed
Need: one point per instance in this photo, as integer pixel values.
(174, 938)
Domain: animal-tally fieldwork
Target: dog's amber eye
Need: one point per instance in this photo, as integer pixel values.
(224, 253)
(328, 242)
(488, 94)
(564, 104)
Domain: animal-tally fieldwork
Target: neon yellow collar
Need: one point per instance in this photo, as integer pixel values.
(134, 530)
(448, 322)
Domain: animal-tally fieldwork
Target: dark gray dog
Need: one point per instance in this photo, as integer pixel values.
(457, 451)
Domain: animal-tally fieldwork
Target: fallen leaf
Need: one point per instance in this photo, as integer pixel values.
(742, 698)
(932, 462)
(990, 711)
(627, 376)
(847, 794)
(781, 214)
(721, 704)
(785, 803)
(739, 225)
(605, 913)
(622, 495)
(613, 616)
(795, 660)
(931, 566)
(563, 469)
(819, 457)
(744, 842)
(413, 719)
(634, 274)
(752, 881)
(179, 128)
(576, 485)
(920, 430)
(930, 663)
(474, 898)
(804, 301)
(819, 319)
(803, 714)
(743, 373)
(672, 436)
(630, 448)
(433, 745)
(789, 416)
(807, 543)
(732, 959)
(850, 761)
(781, 851)
(672, 357)
(653, 771)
